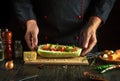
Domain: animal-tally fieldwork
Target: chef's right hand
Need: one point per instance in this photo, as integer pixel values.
(31, 36)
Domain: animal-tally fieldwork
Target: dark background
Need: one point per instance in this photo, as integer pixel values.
(108, 34)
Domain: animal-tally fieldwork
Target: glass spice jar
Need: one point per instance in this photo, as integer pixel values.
(18, 49)
(1, 47)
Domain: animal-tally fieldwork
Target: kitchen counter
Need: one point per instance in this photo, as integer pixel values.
(43, 72)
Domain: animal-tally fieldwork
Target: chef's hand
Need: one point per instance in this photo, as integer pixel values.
(31, 36)
(89, 35)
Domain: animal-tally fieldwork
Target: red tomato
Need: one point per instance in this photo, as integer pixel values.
(46, 47)
(62, 48)
(75, 49)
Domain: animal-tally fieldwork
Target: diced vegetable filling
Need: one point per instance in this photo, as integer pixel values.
(57, 47)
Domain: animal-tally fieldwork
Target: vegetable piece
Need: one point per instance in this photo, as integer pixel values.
(102, 67)
(9, 65)
(69, 49)
(53, 48)
(62, 48)
(110, 68)
(105, 56)
(75, 48)
(46, 47)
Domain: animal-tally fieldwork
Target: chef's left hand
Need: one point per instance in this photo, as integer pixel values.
(89, 35)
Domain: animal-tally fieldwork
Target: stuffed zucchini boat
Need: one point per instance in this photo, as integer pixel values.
(56, 50)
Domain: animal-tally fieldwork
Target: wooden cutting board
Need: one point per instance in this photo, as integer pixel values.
(60, 61)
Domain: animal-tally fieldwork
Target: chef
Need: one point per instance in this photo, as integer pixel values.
(67, 22)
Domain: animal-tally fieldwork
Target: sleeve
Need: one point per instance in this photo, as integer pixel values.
(23, 10)
(102, 9)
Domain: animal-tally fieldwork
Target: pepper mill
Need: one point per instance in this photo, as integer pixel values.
(7, 44)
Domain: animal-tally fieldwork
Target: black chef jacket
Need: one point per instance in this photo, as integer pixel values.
(60, 21)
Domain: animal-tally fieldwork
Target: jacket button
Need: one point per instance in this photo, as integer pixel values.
(76, 37)
(79, 17)
(45, 17)
(46, 37)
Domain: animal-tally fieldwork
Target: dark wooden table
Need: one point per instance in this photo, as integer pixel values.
(54, 72)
